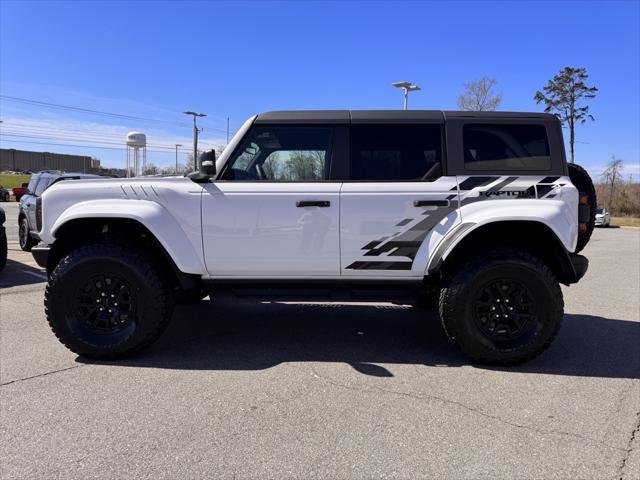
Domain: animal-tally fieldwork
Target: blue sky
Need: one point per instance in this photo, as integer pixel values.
(156, 59)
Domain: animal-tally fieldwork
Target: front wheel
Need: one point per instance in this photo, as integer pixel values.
(504, 308)
(107, 301)
(24, 237)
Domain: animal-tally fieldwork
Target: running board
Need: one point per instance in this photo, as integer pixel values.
(316, 290)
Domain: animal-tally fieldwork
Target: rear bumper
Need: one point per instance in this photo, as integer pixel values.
(580, 266)
(41, 254)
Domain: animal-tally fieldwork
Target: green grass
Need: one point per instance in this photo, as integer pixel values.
(625, 221)
(8, 180)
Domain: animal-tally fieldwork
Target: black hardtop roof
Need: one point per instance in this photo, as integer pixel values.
(385, 116)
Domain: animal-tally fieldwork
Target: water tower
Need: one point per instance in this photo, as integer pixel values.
(136, 153)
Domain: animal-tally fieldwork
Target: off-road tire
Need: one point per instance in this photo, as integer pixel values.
(3, 249)
(149, 290)
(462, 325)
(24, 237)
(582, 181)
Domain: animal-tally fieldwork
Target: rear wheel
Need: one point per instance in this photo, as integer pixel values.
(588, 204)
(107, 301)
(24, 237)
(502, 309)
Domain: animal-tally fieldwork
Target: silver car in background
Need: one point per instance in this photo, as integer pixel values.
(603, 218)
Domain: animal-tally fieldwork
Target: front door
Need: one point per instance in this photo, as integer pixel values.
(397, 201)
(274, 212)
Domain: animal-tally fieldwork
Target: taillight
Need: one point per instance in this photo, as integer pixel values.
(39, 213)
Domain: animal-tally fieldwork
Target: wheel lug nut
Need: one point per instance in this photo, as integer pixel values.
(102, 294)
(493, 308)
(498, 300)
(115, 304)
(510, 308)
(505, 315)
(507, 300)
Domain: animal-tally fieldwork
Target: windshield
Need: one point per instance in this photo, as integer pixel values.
(599, 211)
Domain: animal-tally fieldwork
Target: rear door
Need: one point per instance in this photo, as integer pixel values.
(398, 201)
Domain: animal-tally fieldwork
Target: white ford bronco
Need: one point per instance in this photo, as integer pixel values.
(478, 211)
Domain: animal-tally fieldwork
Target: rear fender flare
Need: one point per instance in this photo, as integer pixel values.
(553, 214)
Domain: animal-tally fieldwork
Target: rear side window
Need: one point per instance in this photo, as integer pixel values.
(505, 147)
(394, 153)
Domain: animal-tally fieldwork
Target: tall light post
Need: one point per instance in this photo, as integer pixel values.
(406, 88)
(195, 135)
(177, 145)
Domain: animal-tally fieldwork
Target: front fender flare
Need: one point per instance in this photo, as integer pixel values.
(153, 216)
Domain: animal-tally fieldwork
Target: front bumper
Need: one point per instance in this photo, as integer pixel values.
(41, 254)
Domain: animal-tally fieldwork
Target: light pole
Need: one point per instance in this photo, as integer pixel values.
(406, 88)
(195, 136)
(177, 145)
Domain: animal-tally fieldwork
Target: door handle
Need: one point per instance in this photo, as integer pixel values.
(313, 203)
(431, 203)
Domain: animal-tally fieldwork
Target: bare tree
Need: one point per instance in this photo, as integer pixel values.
(478, 96)
(563, 94)
(150, 169)
(613, 175)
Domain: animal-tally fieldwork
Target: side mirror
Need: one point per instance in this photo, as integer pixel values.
(207, 163)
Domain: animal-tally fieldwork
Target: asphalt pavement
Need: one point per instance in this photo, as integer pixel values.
(325, 390)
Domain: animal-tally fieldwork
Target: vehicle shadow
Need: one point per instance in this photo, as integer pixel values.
(16, 274)
(257, 336)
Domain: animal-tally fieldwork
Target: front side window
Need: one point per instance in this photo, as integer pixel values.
(282, 154)
(42, 186)
(31, 188)
(395, 153)
(506, 147)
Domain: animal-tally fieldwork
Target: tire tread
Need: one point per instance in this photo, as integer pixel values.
(451, 292)
(138, 262)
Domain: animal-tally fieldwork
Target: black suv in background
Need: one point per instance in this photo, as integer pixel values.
(29, 215)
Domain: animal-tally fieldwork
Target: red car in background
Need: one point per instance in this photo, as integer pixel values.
(20, 191)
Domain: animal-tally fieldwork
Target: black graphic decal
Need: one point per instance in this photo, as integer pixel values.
(380, 265)
(474, 182)
(549, 180)
(502, 184)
